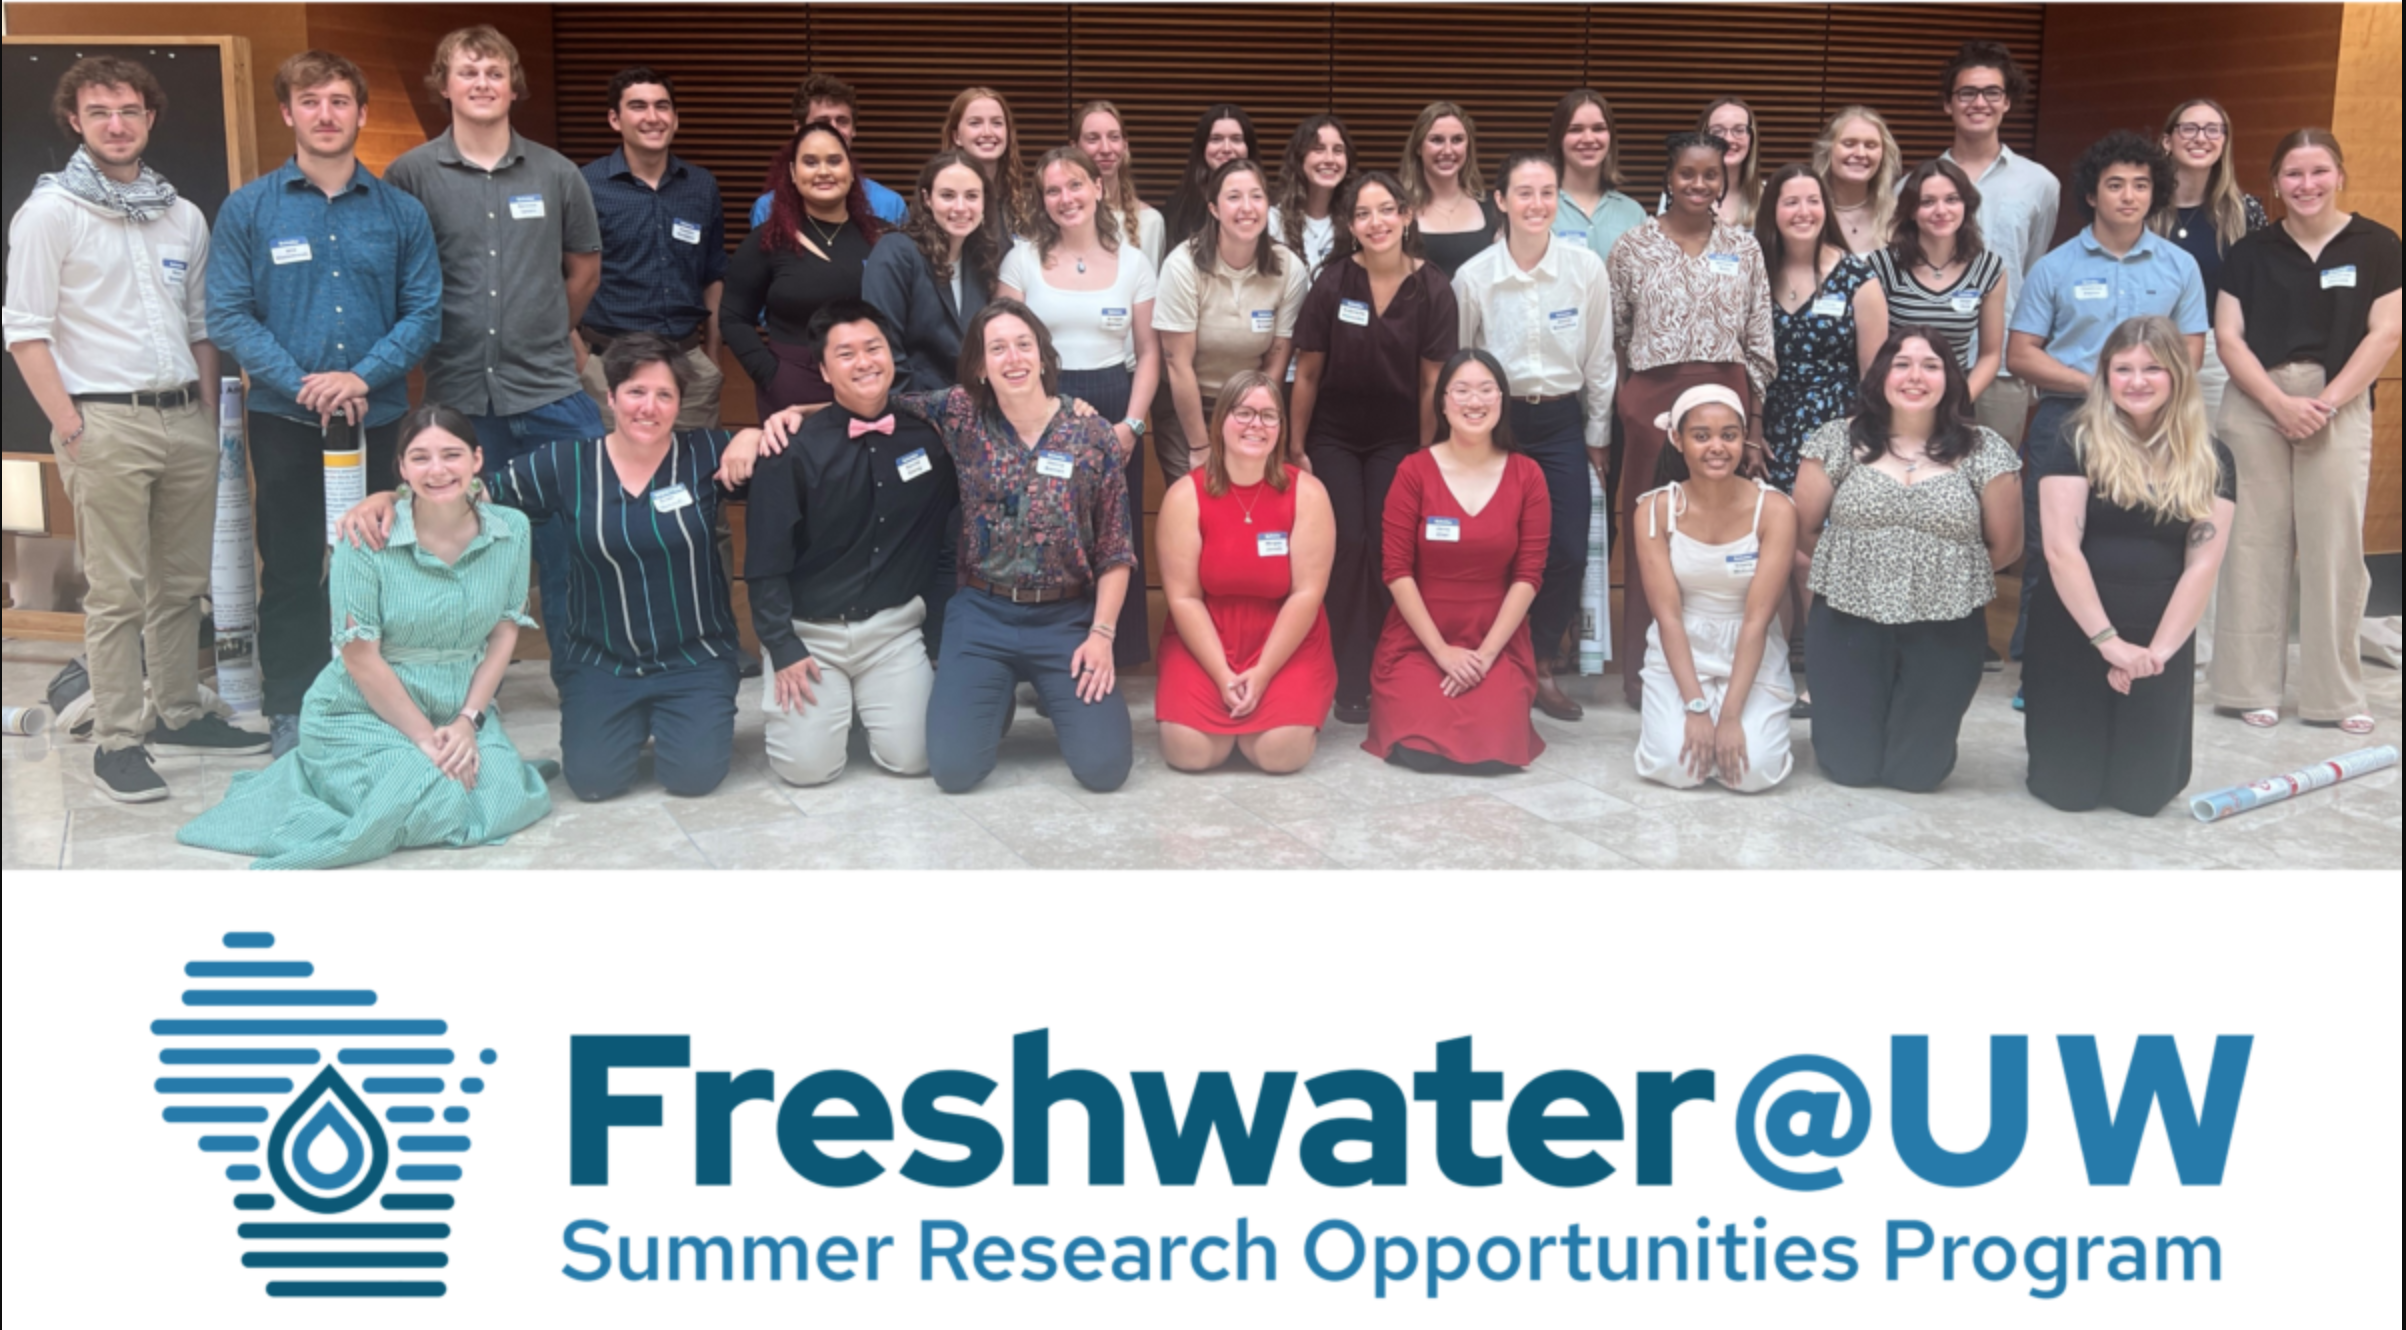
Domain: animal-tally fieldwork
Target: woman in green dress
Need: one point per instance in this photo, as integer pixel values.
(399, 745)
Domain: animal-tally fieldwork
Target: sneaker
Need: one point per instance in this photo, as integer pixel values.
(283, 735)
(207, 737)
(1990, 661)
(125, 775)
(2018, 703)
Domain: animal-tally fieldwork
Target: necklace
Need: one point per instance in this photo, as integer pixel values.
(1912, 464)
(1081, 263)
(1240, 498)
(827, 237)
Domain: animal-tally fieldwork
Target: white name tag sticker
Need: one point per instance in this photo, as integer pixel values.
(1445, 529)
(1575, 235)
(1115, 319)
(2091, 290)
(1966, 301)
(914, 465)
(1722, 265)
(1740, 565)
(1563, 320)
(175, 271)
(525, 206)
(685, 231)
(1265, 320)
(1355, 312)
(670, 498)
(1056, 465)
(292, 249)
(1829, 307)
(1270, 544)
(2345, 276)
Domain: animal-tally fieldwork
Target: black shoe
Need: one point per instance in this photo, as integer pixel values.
(747, 665)
(1990, 661)
(1353, 714)
(124, 774)
(207, 737)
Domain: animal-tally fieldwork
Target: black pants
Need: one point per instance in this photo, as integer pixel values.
(2090, 746)
(288, 478)
(1554, 435)
(2044, 437)
(1357, 482)
(1889, 699)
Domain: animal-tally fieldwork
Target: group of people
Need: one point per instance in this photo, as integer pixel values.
(1385, 405)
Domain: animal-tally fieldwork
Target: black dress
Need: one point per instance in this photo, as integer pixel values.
(1449, 250)
(2089, 745)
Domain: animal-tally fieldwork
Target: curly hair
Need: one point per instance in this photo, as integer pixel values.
(104, 71)
(2123, 147)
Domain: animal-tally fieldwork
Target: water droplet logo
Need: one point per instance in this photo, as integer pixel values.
(299, 1149)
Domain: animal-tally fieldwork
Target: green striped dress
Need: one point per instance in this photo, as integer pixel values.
(355, 789)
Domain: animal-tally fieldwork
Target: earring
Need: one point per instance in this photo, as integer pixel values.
(476, 489)
(401, 491)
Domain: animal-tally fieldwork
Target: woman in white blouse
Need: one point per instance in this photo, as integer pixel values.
(1319, 161)
(1102, 131)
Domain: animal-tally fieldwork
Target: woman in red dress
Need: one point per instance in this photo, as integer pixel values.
(1245, 544)
(1466, 529)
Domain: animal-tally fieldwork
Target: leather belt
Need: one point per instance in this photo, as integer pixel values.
(598, 340)
(171, 400)
(1535, 399)
(1025, 595)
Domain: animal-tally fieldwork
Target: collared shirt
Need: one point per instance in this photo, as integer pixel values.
(1041, 518)
(1712, 308)
(884, 204)
(504, 236)
(1615, 213)
(120, 302)
(1370, 377)
(1235, 314)
(844, 528)
(645, 592)
(2314, 309)
(1550, 326)
(408, 600)
(2080, 292)
(306, 284)
(2018, 201)
(661, 248)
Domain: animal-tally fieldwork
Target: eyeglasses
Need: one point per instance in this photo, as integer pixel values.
(2205, 133)
(1968, 96)
(1246, 415)
(1473, 392)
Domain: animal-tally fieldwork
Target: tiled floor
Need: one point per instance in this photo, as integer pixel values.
(1580, 806)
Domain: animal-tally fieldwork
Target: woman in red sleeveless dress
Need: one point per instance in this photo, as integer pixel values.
(1245, 544)
(1466, 529)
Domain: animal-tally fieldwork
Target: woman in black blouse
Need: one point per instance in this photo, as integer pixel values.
(2207, 213)
(1223, 133)
(811, 250)
(934, 275)
(1440, 175)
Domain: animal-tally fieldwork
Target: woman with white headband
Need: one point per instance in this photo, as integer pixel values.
(1715, 554)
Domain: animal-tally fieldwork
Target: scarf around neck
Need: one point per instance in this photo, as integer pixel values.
(145, 200)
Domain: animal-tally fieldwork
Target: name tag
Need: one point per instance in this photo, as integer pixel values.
(1741, 565)
(914, 465)
(1829, 307)
(1445, 529)
(524, 206)
(1270, 545)
(1355, 312)
(174, 270)
(1056, 465)
(671, 498)
(1265, 320)
(1575, 236)
(1115, 320)
(1563, 320)
(680, 228)
(2338, 277)
(1722, 265)
(1966, 301)
(294, 249)
(2091, 291)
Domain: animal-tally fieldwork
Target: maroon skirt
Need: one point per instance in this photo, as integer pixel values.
(796, 383)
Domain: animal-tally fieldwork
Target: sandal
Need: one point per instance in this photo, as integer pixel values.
(2261, 718)
(2359, 725)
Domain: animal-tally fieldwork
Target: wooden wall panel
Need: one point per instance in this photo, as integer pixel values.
(275, 31)
(1506, 69)
(1888, 57)
(909, 61)
(1153, 63)
(2364, 116)
(394, 46)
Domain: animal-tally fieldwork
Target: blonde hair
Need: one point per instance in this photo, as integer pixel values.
(1415, 182)
(2223, 197)
(1215, 463)
(1881, 194)
(1748, 183)
(1122, 190)
(2172, 472)
(484, 39)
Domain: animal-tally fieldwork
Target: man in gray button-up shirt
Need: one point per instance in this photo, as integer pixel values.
(521, 253)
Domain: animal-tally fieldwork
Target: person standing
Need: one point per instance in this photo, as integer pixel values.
(932, 276)
(2206, 214)
(326, 289)
(1319, 161)
(828, 98)
(1223, 133)
(1691, 305)
(106, 316)
(1099, 128)
(980, 123)
(2017, 197)
(664, 246)
(1594, 210)
(2138, 510)
(2307, 316)
(1543, 307)
(1732, 121)
(1828, 314)
(1441, 180)
(521, 251)
(1937, 271)
(1377, 326)
(1858, 162)
(814, 249)
(1228, 302)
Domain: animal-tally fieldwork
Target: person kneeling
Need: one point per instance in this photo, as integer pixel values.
(1246, 543)
(842, 534)
(1715, 588)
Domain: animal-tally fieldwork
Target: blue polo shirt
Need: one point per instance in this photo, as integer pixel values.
(660, 247)
(2079, 293)
(888, 206)
(300, 283)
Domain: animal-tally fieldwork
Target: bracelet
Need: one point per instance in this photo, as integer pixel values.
(1109, 631)
(2107, 635)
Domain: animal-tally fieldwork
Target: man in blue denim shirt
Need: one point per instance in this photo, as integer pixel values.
(327, 290)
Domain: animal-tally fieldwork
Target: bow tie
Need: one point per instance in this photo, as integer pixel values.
(882, 425)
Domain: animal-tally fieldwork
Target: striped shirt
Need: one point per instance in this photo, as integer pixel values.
(645, 590)
(1954, 312)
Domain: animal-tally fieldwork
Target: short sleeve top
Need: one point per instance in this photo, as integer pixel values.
(2311, 309)
(1235, 314)
(2129, 545)
(1091, 329)
(1370, 382)
(1953, 313)
(1897, 553)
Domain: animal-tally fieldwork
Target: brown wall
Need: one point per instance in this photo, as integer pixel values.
(2365, 117)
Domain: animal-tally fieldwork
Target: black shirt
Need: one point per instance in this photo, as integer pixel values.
(844, 528)
(787, 286)
(1449, 250)
(2311, 309)
(2128, 546)
(1370, 381)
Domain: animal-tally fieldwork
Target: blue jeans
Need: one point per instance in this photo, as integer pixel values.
(688, 714)
(990, 645)
(2044, 438)
(505, 439)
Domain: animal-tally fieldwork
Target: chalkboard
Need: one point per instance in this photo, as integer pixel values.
(194, 144)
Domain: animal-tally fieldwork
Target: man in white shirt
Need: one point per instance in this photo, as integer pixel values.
(2018, 197)
(106, 316)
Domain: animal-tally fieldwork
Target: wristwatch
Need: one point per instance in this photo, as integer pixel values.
(1697, 706)
(1136, 425)
(475, 719)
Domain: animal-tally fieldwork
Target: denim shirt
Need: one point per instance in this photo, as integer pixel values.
(300, 283)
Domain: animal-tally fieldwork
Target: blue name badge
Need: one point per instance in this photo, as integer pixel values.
(1563, 320)
(1722, 265)
(686, 232)
(2341, 276)
(1445, 529)
(1270, 544)
(1355, 312)
(290, 249)
(2091, 290)
(1741, 564)
(914, 464)
(524, 206)
(174, 270)
(1056, 465)
(671, 498)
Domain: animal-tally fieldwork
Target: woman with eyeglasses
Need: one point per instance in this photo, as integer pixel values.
(1448, 197)
(1102, 132)
(2209, 213)
(1246, 543)
(1858, 162)
(1223, 134)
(1228, 302)
(1732, 121)
(1465, 548)
(1319, 161)
(1594, 210)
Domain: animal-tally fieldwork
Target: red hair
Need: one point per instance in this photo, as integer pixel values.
(783, 229)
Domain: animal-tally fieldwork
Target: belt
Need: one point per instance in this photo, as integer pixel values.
(1027, 596)
(1539, 399)
(170, 400)
(599, 339)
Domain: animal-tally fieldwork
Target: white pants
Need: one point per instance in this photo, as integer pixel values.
(875, 670)
(1663, 729)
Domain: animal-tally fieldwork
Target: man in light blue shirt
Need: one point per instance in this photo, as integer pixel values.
(2116, 269)
(826, 97)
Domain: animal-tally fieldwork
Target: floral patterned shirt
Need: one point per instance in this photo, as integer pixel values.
(1036, 519)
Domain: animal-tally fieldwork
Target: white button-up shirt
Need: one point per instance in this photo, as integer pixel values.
(1550, 327)
(120, 302)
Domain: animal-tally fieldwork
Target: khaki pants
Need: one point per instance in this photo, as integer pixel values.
(696, 409)
(2301, 507)
(876, 670)
(1169, 437)
(2005, 408)
(144, 485)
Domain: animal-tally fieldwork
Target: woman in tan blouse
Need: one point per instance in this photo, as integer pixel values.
(1227, 303)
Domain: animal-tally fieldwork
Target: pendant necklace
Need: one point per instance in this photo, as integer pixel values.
(1246, 507)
